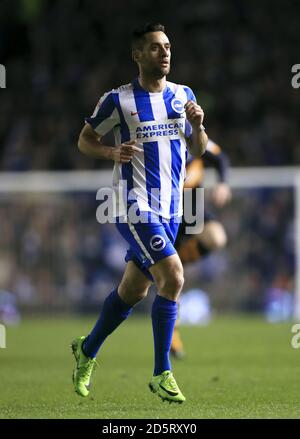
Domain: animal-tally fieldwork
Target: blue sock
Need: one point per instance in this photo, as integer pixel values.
(164, 314)
(113, 313)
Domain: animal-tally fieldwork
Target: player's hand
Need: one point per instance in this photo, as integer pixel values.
(124, 153)
(221, 194)
(194, 114)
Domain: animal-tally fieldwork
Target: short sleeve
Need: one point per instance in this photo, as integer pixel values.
(105, 116)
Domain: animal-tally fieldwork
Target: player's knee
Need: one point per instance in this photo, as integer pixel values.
(132, 294)
(140, 295)
(172, 284)
(178, 281)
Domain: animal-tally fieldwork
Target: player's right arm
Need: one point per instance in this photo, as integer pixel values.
(89, 143)
(104, 118)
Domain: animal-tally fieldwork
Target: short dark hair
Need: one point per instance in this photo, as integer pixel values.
(138, 35)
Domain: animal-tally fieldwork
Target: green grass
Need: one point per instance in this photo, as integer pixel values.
(235, 368)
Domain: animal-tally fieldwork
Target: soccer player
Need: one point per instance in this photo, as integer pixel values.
(150, 117)
(191, 248)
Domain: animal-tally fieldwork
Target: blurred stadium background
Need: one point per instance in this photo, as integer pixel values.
(60, 56)
(237, 56)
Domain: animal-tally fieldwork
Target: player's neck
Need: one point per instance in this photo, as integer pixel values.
(152, 85)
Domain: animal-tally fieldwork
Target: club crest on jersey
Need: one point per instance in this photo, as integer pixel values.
(157, 243)
(177, 105)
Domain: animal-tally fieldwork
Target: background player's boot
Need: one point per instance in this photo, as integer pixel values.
(84, 368)
(177, 350)
(166, 387)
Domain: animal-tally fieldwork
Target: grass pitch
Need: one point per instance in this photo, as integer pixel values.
(235, 368)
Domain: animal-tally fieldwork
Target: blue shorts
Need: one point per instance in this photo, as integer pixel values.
(149, 242)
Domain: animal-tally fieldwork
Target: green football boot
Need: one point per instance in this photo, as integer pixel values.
(84, 368)
(166, 387)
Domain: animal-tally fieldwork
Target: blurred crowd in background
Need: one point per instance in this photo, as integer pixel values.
(61, 56)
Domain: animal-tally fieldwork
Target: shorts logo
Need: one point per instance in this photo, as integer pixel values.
(177, 105)
(157, 243)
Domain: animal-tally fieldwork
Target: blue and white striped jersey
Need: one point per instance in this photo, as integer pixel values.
(154, 177)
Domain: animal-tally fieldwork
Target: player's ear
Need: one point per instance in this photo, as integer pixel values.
(136, 55)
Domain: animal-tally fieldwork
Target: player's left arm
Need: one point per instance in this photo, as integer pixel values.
(198, 140)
